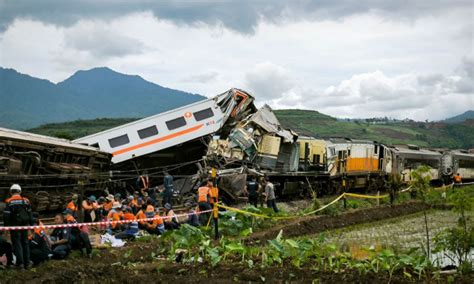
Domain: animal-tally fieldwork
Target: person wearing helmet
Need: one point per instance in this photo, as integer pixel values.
(17, 212)
(155, 226)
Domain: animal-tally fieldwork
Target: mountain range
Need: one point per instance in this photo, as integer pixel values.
(28, 102)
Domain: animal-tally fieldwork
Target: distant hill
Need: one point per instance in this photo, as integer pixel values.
(461, 118)
(313, 123)
(28, 102)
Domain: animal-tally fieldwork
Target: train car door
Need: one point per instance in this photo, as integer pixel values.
(381, 153)
(341, 161)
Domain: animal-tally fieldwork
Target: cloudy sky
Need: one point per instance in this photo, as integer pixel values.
(360, 58)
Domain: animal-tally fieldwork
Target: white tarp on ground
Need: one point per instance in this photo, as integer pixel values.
(112, 241)
(266, 119)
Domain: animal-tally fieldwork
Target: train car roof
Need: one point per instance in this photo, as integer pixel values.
(411, 152)
(42, 139)
(160, 114)
(349, 140)
(463, 154)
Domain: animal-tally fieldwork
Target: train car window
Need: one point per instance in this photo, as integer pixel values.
(176, 123)
(119, 141)
(316, 159)
(467, 164)
(333, 151)
(203, 114)
(147, 132)
(376, 149)
(348, 152)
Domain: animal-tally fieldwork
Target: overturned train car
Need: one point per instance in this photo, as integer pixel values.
(228, 132)
(49, 169)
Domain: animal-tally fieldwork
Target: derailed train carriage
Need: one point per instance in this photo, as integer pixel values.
(49, 169)
(228, 132)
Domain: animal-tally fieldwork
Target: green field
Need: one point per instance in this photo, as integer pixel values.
(436, 135)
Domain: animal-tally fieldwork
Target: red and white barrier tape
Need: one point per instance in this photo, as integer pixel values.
(101, 223)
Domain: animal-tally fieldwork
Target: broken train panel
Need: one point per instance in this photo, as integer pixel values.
(175, 141)
(172, 128)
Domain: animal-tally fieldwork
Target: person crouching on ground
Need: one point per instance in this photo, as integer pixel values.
(79, 237)
(6, 249)
(60, 239)
(171, 221)
(115, 215)
(155, 226)
(140, 216)
(40, 244)
(131, 228)
(73, 205)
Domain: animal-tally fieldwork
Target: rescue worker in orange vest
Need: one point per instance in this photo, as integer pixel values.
(141, 215)
(40, 244)
(131, 228)
(79, 235)
(73, 205)
(115, 214)
(109, 201)
(457, 178)
(156, 226)
(204, 198)
(17, 212)
(132, 202)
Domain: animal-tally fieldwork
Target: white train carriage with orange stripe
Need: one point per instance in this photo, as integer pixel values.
(170, 128)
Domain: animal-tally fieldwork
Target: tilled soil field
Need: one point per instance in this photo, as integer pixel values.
(140, 261)
(109, 267)
(317, 224)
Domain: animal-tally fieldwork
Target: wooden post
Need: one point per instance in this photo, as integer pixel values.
(215, 210)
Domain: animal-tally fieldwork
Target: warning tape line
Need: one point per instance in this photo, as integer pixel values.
(101, 223)
(305, 214)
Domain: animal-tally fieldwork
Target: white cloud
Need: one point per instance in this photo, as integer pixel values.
(329, 65)
(268, 81)
(101, 41)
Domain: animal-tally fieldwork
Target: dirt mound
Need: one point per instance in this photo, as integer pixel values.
(102, 270)
(316, 224)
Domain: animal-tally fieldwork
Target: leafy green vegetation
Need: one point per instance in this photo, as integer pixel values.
(79, 128)
(458, 242)
(432, 134)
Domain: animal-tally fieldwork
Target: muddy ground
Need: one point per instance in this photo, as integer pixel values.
(109, 266)
(140, 261)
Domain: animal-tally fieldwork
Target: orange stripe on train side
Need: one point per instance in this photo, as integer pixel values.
(157, 140)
